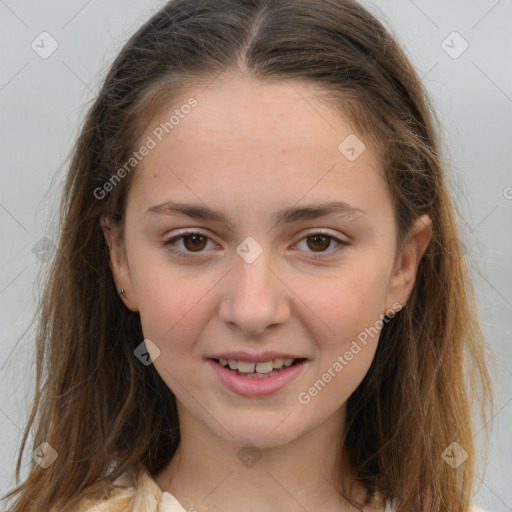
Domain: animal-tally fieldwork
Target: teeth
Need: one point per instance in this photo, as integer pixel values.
(245, 367)
(264, 367)
(260, 375)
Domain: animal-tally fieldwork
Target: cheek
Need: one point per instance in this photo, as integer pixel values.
(350, 306)
(173, 309)
(348, 302)
(166, 312)
(173, 321)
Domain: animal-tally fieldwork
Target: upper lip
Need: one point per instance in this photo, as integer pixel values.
(259, 357)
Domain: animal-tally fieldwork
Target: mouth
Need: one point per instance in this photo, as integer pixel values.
(257, 379)
(260, 370)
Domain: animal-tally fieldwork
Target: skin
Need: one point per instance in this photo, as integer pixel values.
(248, 149)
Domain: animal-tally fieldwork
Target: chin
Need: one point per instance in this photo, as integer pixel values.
(267, 432)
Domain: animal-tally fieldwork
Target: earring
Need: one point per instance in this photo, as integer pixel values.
(121, 292)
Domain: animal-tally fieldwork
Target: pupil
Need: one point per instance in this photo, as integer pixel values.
(319, 238)
(196, 241)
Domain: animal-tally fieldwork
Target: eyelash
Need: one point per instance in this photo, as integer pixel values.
(316, 256)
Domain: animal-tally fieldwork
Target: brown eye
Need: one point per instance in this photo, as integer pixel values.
(319, 245)
(188, 244)
(194, 242)
(318, 242)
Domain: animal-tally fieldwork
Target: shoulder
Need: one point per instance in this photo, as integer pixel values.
(133, 491)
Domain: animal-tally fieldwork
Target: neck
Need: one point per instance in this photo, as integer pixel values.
(210, 473)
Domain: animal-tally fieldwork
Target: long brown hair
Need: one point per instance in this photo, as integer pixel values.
(104, 412)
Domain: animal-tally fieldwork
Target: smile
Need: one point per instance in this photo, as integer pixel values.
(259, 370)
(256, 379)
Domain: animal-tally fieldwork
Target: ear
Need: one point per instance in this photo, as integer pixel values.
(119, 263)
(407, 262)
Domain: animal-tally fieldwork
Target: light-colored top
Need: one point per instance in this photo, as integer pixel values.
(138, 492)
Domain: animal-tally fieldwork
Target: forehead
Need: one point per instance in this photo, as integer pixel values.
(251, 112)
(273, 139)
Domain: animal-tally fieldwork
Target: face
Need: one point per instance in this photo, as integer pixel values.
(286, 250)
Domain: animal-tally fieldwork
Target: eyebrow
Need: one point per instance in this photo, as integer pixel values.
(286, 215)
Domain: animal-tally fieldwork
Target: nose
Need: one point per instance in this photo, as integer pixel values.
(254, 298)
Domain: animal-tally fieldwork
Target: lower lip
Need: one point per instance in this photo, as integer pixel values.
(256, 386)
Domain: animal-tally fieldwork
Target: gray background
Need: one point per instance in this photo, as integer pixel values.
(43, 101)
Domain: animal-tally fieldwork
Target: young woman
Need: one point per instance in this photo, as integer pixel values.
(258, 300)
